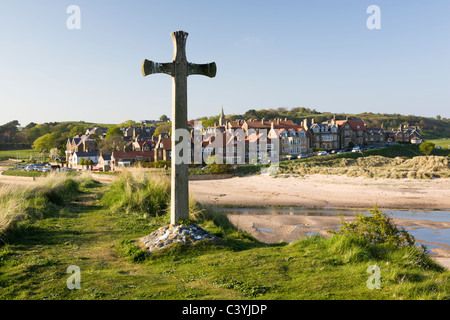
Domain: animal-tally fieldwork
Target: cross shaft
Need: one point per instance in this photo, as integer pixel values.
(179, 69)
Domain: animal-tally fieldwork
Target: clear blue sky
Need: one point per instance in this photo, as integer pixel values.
(269, 54)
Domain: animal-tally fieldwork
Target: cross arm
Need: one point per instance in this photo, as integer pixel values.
(150, 67)
(207, 69)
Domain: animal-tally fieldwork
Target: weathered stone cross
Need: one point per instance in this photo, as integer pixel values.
(179, 69)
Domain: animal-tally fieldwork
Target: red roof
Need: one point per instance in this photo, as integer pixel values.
(354, 123)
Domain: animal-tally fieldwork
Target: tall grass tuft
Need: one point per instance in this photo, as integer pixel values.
(138, 192)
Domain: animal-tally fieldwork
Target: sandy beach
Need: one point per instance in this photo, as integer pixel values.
(323, 191)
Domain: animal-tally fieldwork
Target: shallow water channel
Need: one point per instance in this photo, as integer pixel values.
(440, 236)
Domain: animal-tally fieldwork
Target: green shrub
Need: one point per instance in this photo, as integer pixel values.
(426, 147)
(377, 228)
(217, 168)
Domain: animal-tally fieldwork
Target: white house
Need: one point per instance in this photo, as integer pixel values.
(77, 156)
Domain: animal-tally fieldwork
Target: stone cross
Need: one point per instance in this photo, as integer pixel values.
(179, 69)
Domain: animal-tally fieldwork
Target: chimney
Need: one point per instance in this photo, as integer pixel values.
(312, 120)
(262, 121)
(278, 120)
(285, 119)
(305, 124)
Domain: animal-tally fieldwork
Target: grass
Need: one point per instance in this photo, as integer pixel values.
(18, 154)
(20, 173)
(444, 143)
(20, 205)
(86, 230)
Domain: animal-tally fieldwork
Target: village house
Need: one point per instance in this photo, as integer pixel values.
(128, 158)
(78, 156)
(407, 133)
(352, 130)
(375, 135)
(132, 133)
(294, 141)
(145, 144)
(104, 162)
(163, 148)
(79, 144)
(325, 135)
(99, 131)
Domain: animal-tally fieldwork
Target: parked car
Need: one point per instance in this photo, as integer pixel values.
(302, 156)
(322, 153)
(97, 170)
(356, 149)
(439, 147)
(340, 152)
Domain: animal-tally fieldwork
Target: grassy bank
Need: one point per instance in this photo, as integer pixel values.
(96, 230)
(397, 161)
(20, 205)
(423, 167)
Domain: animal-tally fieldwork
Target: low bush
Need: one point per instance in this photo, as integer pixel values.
(376, 228)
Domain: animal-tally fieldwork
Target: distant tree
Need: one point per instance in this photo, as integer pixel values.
(54, 153)
(111, 143)
(165, 127)
(82, 162)
(128, 123)
(210, 122)
(163, 118)
(46, 142)
(427, 147)
(114, 131)
(438, 117)
(30, 125)
(77, 130)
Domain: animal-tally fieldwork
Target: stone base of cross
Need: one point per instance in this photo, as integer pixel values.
(179, 69)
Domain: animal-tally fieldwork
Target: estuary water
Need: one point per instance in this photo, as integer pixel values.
(439, 235)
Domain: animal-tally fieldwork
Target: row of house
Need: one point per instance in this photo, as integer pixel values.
(138, 150)
(241, 140)
(329, 135)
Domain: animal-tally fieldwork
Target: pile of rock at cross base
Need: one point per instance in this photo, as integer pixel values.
(169, 234)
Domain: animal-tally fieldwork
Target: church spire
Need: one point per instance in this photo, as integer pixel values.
(222, 118)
